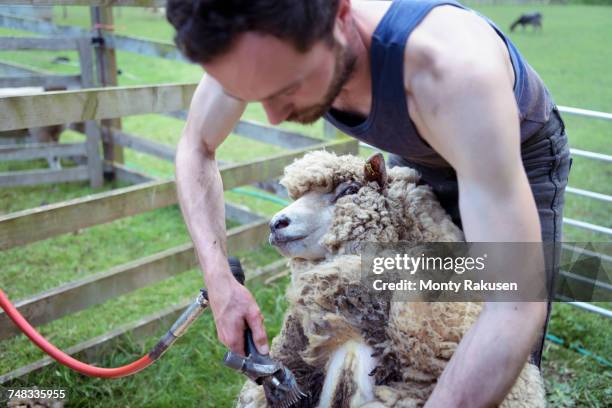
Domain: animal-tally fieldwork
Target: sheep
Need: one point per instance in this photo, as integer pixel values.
(346, 345)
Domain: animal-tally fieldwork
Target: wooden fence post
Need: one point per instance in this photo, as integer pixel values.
(94, 163)
(92, 130)
(86, 63)
(106, 65)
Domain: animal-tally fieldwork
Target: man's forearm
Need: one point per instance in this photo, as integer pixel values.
(490, 356)
(200, 194)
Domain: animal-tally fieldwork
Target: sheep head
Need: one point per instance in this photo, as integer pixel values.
(341, 201)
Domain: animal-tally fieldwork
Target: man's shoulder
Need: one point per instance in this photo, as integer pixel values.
(453, 39)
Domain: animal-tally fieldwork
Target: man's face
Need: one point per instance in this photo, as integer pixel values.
(294, 86)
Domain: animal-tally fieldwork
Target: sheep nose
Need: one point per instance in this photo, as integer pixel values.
(279, 222)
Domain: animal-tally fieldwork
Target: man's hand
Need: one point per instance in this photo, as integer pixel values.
(234, 308)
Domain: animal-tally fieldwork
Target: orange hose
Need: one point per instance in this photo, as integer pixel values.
(64, 358)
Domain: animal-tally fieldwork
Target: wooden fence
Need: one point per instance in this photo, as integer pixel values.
(99, 108)
(11, 147)
(46, 222)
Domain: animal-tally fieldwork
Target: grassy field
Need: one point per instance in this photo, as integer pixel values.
(570, 55)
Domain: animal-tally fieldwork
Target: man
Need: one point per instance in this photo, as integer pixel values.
(433, 83)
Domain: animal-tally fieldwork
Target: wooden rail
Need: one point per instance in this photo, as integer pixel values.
(273, 135)
(12, 68)
(41, 150)
(30, 43)
(114, 3)
(263, 133)
(126, 43)
(142, 328)
(68, 81)
(146, 47)
(44, 222)
(92, 348)
(141, 144)
(55, 108)
(126, 174)
(95, 289)
(234, 212)
(44, 176)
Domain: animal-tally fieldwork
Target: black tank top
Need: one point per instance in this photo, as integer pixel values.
(388, 126)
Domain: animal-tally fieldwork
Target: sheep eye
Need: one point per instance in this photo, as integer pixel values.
(344, 190)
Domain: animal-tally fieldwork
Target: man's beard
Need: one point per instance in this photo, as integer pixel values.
(343, 69)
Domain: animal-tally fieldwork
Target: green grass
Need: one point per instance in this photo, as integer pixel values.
(570, 55)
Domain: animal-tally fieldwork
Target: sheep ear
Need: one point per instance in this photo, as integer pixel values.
(375, 169)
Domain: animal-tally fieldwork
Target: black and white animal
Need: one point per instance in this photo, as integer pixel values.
(533, 19)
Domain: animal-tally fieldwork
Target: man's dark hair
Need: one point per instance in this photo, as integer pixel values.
(206, 29)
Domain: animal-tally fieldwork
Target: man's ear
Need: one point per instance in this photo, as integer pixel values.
(343, 16)
(375, 169)
(344, 7)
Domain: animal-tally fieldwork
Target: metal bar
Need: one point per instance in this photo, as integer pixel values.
(587, 226)
(592, 308)
(592, 282)
(590, 194)
(591, 155)
(583, 251)
(585, 112)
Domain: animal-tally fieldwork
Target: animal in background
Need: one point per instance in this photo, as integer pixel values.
(532, 19)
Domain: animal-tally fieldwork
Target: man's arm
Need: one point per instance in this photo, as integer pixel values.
(212, 116)
(460, 97)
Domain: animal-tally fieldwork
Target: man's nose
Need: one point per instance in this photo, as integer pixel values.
(276, 113)
(278, 222)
